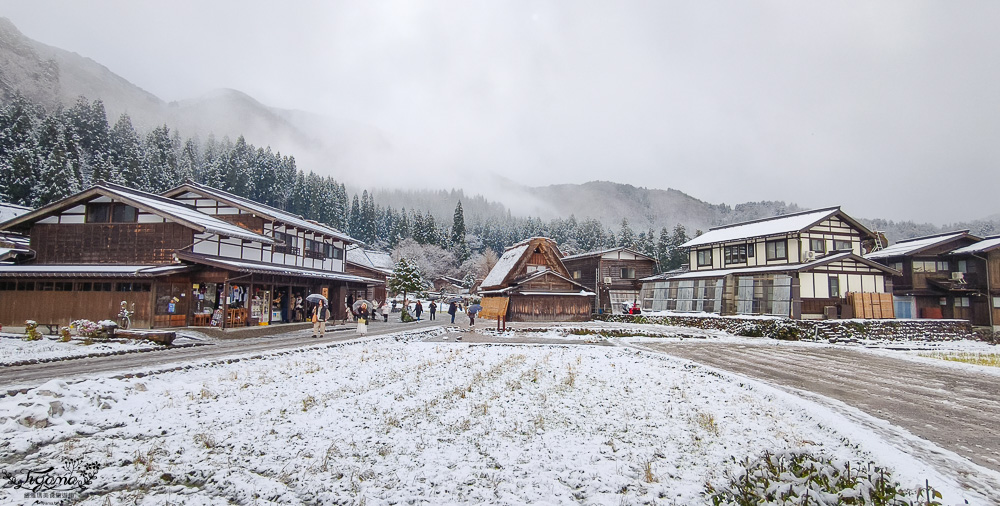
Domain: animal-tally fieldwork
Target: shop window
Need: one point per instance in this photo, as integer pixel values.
(777, 250)
(817, 245)
(704, 258)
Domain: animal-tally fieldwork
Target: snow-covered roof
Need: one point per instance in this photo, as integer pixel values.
(914, 245)
(10, 211)
(377, 260)
(262, 268)
(777, 225)
(604, 252)
(259, 209)
(718, 273)
(507, 261)
(979, 247)
(91, 270)
(15, 239)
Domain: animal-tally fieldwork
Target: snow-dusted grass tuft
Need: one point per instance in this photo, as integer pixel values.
(987, 359)
(407, 422)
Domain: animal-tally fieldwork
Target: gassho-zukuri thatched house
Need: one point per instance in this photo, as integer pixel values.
(530, 283)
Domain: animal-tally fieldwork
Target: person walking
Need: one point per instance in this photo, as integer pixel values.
(472, 311)
(452, 310)
(385, 312)
(363, 320)
(419, 309)
(433, 308)
(319, 317)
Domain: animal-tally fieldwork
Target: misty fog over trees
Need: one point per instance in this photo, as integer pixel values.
(46, 156)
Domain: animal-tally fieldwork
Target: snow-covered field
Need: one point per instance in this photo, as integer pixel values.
(389, 421)
(14, 349)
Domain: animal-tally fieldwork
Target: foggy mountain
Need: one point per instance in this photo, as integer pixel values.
(55, 77)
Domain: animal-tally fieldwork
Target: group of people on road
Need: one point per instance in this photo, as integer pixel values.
(364, 312)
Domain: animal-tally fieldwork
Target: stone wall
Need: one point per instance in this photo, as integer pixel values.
(833, 330)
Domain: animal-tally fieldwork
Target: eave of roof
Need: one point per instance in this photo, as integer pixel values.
(716, 273)
(90, 270)
(262, 268)
(258, 208)
(604, 252)
(916, 245)
(773, 226)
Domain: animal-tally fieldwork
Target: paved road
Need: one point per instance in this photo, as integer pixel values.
(956, 409)
(27, 376)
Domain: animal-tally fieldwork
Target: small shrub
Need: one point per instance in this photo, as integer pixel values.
(801, 478)
(87, 328)
(31, 332)
(64, 334)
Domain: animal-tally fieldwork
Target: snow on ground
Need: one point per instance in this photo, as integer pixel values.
(388, 420)
(14, 349)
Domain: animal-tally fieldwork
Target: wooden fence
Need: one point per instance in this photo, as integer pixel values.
(871, 305)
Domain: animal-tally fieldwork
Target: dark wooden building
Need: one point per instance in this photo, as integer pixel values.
(196, 257)
(535, 284)
(613, 274)
(370, 264)
(948, 275)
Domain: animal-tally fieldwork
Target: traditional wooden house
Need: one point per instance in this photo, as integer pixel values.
(613, 274)
(979, 264)
(798, 265)
(530, 283)
(373, 265)
(931, 282)
(205, 259)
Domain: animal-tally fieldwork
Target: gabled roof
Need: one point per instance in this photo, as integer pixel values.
(517, 283)
(161, 206)
(9, 211)
(716, 273)
(606, 251)
(988, 244)
(371, 259)
(518, 255)
(259, 209)
(778, 225)
(918, 244)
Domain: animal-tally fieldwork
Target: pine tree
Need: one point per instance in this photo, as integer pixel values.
(18, 147)
(236, 170)
(405, 278)
(126, 155)
(678, 255)
(57, 177)
(626, 237)
(663, 249)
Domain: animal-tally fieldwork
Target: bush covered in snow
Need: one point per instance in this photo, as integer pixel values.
(87, 328)
(801, 478)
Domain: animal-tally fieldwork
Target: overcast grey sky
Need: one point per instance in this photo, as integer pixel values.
(890, 109)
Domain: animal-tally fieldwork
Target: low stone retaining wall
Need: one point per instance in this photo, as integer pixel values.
(834, 330)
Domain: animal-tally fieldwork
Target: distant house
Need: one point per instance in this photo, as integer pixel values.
(931, 283)
(448, 284)
(195, 256)
(531, 281)
(613, 274)
(370, 264)
(796, 265)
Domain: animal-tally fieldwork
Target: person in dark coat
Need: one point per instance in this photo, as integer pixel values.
(452, 310)
(433, 308)
(418, 310)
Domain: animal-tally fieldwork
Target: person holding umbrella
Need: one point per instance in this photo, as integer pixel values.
(452, 310)
(433, 307)
(363, 319)
(319, 317)
(472, 311)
